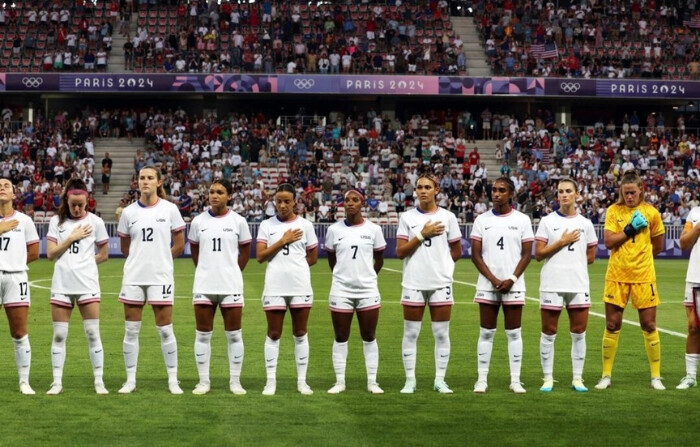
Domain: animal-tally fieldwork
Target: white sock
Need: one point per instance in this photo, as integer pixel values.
(691, 364)
(547, 355)
(202, 354)
(92, 334)
(578, 353)
(272, 352)
(301, 355)
(58, 349)
(515, 353)
(371, 351)
(235, 353)
(484, 348)
(411, 330)
(339, 356)
(168, 344)
(23, 357)
(131, 348)
(441, 333)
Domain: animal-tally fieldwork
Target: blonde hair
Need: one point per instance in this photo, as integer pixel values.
(630, 178)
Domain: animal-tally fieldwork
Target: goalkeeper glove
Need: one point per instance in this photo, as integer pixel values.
(637, 223)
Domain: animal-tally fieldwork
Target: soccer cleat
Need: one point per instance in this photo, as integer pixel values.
(338, 388)
(657, 384)
(547, 386)
(201, 388)
(270, 388)
(409, 387)
(480, 387)
(687, 382)
(128, 388)
(373, 388)
(56, 389)
(24, 388)
(100, 388)
(604, 383)
(578, 386)
(174, 387)
(517, 388)
(304, 389)
(441, 387)
(236, 388)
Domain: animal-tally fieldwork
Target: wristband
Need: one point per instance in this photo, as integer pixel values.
(513, 278)
(420, 237)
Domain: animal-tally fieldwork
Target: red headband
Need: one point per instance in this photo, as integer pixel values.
(356, 191)
(76, 192)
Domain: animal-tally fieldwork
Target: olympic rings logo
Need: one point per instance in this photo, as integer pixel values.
(570, 87)
(304, 84)
(32, 82)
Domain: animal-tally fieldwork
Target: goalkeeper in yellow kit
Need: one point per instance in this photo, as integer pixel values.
(634, 234)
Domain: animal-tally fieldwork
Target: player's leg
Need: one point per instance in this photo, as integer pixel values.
(204, 317)
(133, 298)
(550, 322)
(60, 315)
(488, 319)
(615, 296)
(692, 350)
(412, 321)
(91, 325)
(368, 319)
(342, 321)
(234, 337)
(440, 321)
(513, 321)
(300, 319)
(652, 345)
(168, 343)
(275, 323)
(17, 317)
(578, 322)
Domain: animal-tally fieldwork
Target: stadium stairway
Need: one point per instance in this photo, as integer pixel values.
(487, 150)
(122, 152)
(472, 45)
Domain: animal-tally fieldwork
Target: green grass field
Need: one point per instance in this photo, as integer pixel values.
(630, 413)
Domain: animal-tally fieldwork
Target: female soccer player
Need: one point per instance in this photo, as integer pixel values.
(355, 249)
(688, 241)
(152, 234)
(429, 242)
(567, 242)
(220, 244)
(501, 250)
(634, 234)
(289, 245)
(19, 245)
(77, 240)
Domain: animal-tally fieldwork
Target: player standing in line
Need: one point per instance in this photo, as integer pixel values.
(428, 240)
(19, 244)
(220, 244)
(77, 240)
(688, 241)
(634, 234)
(355, 249)
(148, 228)
(289, 245)
(501, 250)
(567, 242)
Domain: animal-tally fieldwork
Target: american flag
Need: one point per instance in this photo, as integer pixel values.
(693, 23)
(544, 51)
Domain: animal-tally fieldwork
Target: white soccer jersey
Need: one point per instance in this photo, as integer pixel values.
(502, 237)
(75, 271)
(13, 243)
(218, 238)
(150, 261)
(567, 270)
(693, 274)
(354, 247)
(288, 273)
(430, 267)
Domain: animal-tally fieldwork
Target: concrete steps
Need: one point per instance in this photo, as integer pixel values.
(122, 152)
(473, 48)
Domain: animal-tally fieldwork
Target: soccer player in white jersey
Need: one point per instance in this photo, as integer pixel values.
(688, 241)
(220, 244)
(501, 249)
(355, 248)
(77, 241)
(152, 234)
(567, 243)
(430, 242)
(289, 245)
(19, 245)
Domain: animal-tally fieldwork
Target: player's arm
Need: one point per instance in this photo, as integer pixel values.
(32, 252)
(312, 255)
(480, 264)
(615, 240)
(332, 259)
(525, 256)
(405, 248)
(266, 252)
(124, 244)
(178, 243)
(7, 225)
(689, 236)
(456, 250)
(544, 250)
(378, 260)
(194, 252)
(55, 250)
(591, 252)
(102, 253)
(657, 244)
(243, 255)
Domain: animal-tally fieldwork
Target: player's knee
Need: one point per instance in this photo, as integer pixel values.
(91, 334)
(368, 335)
(649, 326)
(274, 334)
(299, 332)
(613, 326)
(693, 329)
